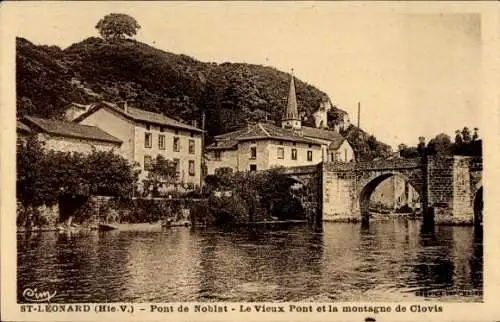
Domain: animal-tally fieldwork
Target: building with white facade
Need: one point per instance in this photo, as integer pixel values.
(146, 135)
(264, 145)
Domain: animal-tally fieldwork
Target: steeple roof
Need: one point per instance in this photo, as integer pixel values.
(291, 112)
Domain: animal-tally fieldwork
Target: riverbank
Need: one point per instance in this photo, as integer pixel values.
(156, 226)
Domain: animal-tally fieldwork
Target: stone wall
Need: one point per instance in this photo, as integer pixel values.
(141, 210)
(67, 144)
(451, 185)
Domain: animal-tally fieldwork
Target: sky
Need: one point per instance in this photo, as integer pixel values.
(414, 72)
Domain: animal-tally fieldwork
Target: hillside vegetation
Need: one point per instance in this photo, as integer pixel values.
(48, 78)
(179, 86)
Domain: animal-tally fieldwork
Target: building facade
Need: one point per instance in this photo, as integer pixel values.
(263, 145)
(147, 135)
(67, 136)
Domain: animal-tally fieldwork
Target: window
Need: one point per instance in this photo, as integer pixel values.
(191, 146)
(148, 140)
(253, 167)
(281, 153)
(332, 158)
(217, 155)
(191, 168)
(148, 127)
(294, 143)
(161, 142)
(147, 162)
(162, 129)
(253, 152)
(294, 154)
(177, 146)
(176, 131)
(177, 164)
(309, 155)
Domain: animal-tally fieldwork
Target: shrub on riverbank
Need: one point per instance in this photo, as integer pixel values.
(43, 177)
(251, 196)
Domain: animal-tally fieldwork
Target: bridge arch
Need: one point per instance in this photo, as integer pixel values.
(368, 187)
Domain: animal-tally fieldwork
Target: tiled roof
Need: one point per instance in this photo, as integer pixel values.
(80, 106)
(140, 115)
(230, 135)
(22, 127)
(223, 145)
(335, 145)
(71, 129)
(265, 131)
(335, 138)
(321, 134)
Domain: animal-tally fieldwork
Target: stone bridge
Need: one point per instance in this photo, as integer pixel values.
(450, 188)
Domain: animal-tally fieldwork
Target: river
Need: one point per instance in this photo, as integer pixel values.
(390, 260)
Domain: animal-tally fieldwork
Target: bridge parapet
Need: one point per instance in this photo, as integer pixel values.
(305, 169)
(386, 164)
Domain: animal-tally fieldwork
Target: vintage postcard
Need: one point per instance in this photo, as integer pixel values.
(275, 161)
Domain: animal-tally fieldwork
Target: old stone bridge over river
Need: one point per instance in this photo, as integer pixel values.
(450, 188)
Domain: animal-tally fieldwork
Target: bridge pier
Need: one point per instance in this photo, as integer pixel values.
(448, 190)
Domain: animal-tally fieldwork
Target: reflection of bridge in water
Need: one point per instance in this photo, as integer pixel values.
(450, 188)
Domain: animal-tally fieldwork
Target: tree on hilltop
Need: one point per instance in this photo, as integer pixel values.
(117, 26)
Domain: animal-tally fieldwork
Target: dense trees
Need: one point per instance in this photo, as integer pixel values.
(365, 146)
(442, 145)
(162, 172)
(250, 196)
(117, 26)
(159, 81)
(43, 176)
(231, 94)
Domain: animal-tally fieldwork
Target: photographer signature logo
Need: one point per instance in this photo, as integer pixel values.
(33, 295)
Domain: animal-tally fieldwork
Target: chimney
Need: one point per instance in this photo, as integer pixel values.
(194, 123)
(123, 105)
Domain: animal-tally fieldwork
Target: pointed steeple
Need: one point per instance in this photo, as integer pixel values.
(291, 117)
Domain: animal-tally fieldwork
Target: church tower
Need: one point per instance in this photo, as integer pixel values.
(291, 119)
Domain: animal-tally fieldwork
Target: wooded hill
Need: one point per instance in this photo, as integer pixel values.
(179, 86)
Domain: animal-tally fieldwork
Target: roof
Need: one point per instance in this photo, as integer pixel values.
(335, 145)
(71, 129)
(223, 145)
(80, 106)
(335, 138)
(140, 115)
(22, 127)
(321, 134)
(291, 112)
(261, 131)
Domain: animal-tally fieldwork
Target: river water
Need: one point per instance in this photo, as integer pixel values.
(388, 261)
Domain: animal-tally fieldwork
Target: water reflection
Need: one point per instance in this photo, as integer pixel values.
(382, 261)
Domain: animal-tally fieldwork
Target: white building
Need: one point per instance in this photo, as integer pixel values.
(264, 145)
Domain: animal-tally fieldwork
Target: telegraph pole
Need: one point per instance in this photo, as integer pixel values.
(202, 174)
(359, 113)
